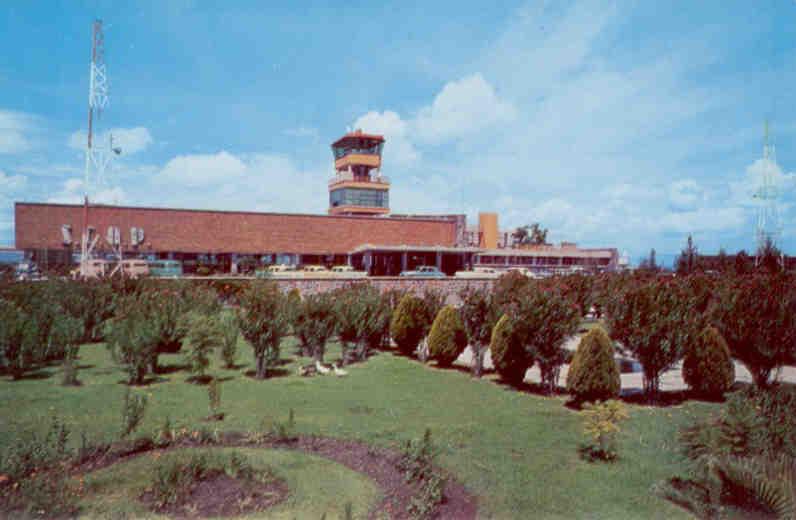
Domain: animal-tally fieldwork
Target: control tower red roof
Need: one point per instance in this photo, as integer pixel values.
(353, 137)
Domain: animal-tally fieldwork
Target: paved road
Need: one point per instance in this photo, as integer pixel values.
(631, 382)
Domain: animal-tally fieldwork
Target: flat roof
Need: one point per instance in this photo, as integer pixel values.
(409, 247)
(552, 252)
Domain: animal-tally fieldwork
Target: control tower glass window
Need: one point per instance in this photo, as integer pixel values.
(342, 151)
(359, 197)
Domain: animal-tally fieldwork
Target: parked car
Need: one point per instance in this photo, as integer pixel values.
(312, 271)
(165, 268)
(134, 268)
(278, 271)
(96, 268)
(27, 271)
(424, 271)
(524, 271)
(479, 272)
(347, 271)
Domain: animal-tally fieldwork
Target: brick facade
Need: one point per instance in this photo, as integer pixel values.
(38, 226)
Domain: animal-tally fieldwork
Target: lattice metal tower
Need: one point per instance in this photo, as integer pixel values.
(97, 157)
(767, 192)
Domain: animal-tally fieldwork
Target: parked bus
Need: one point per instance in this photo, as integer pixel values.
(165, 268)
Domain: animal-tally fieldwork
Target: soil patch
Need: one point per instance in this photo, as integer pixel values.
(379, 464)
(221, 495)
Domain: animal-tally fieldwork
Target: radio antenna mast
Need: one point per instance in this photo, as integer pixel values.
(766, 193)
(96, 159)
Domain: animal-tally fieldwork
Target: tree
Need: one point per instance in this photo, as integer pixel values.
(544, 320)
(447, 338)
(203, 335)
(363, 318)
(67, 331)
(133, 340)
(317, 322)
(533, 234)
(433, 301)
(707, 366)
(17, 339)
(263, 321)
(408, 323)
(769, 257)
(649, 263)
(509, 356)
(479, 315)
(743, 263)
(653, 320)
(593, 374)
(229, 339)
(686, 263)
(756, 316)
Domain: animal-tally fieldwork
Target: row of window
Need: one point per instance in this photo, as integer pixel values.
(359, 197)
(342, 151)
(539, 260)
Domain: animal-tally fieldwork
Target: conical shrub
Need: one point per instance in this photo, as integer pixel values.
(707, 366)
(407, 324)
(509, 356)
(447, 338)
(593, 374)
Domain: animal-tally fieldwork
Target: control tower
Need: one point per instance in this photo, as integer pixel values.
(358, 187)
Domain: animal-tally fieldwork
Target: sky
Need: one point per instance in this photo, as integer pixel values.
(613, 124)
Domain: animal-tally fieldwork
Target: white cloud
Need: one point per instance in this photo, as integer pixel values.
(462, 107)
(10, 183)
(130, 140)
(15, 128)
(302, 131)
(203, 169)
(72, 193)
(398, 150)
(685, 195)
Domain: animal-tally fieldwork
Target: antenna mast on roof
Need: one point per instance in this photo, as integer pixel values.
(767, 193)
(97, 159)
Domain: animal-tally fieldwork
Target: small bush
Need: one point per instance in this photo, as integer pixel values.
(593, 374)
(229, 340)
(417, 458)
(509, 356)
(48, 495)
(707, 367)
(132, 412)
(601, 426)
(203, 335)
(447, 338)
(214, 398)
(33, 452)
(407, 325)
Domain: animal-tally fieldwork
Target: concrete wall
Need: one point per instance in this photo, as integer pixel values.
(451, 287)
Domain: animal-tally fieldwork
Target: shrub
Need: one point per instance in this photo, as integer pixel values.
(479, 315)
(33, 452)
(132, 412)
(447, 338)
(433, 301)
(601, 426)
(316, 323)
(654, 320)
(362, 317)
(204, 334)
(509, 356)
(756, 316)
(17, 339)
(707, 367)
(544, 319)
(263, 321)
(214, 398)
(408, 324)
(593, 374)
(229, 339)
(132, 339)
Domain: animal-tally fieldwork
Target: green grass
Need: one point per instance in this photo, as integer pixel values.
(517, 452)
(317, 486)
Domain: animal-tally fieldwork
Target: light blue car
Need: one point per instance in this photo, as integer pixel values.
(424, 271)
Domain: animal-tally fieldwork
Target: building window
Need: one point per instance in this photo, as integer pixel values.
(359, 197)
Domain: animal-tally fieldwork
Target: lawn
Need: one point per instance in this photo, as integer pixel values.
(516, 451)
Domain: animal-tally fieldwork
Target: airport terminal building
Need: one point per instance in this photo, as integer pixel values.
(357, 230)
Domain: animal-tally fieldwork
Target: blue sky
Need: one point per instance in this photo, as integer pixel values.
(625, 124)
